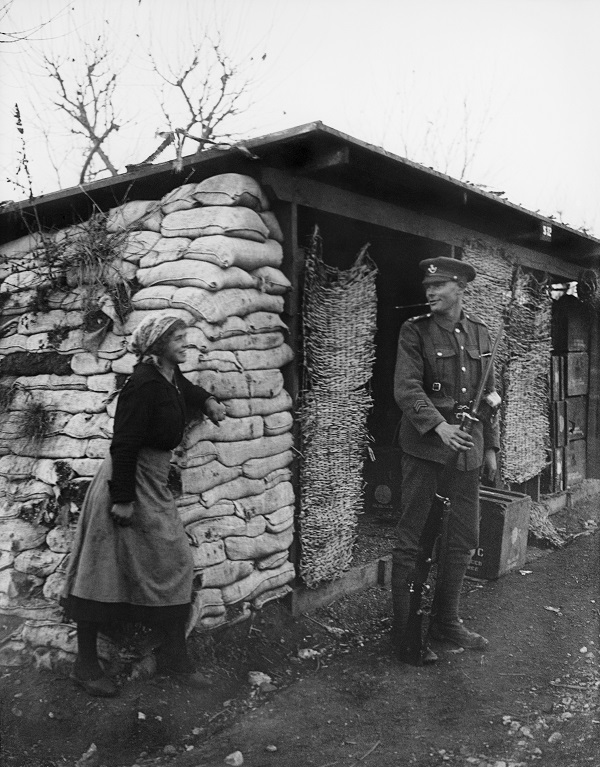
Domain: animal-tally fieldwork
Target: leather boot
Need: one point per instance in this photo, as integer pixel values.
(406, 626)
(446, 625)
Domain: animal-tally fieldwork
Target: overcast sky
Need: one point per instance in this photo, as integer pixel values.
(503, 93)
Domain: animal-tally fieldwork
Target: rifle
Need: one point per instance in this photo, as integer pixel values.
(414, 644)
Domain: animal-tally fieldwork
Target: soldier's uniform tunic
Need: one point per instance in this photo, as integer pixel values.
(439, 366)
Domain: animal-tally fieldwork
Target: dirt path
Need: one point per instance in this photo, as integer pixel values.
(532, 699)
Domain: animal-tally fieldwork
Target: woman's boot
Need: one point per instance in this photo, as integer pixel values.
(87, 671)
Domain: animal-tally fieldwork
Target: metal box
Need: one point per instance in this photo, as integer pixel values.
(503, 531)
(383, 478)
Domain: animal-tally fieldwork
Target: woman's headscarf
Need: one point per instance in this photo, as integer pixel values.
(150, 330)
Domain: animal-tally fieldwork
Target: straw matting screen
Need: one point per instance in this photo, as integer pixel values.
(339, 323)
(505, 296)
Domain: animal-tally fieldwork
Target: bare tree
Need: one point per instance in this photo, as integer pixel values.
(86, 96)
(209, 88)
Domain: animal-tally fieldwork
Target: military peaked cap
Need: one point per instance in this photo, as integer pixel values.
(446, 270)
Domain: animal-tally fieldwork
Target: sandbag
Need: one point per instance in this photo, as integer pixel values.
(198, 274)
(52, 382)
(200, 454)
(203, 222)
(112, 347)
(240, 408)
(280, 520)
(17, 303)
(60, 539)
(125, 364)
(230, 327)
(97, 448)
(268, 501)
(165, 250)
(207, 603)
(265, 322)
(39, 562)
(180, 198)
(271, 280)
(237, 453)
(42, 322)
(59, 446)
(224, 573)
(259, 547)
(235, 251)
(228, 430)
(278, 423)
(259, 341)
(270, 221)
(86, 467)
(258, 582)
(68, 401)
(231, 491)
(138, 214)
(197, 510)
(215, 308)
(18, 535)
(136, 245)
(105, 382)
(207, 530)
(198, 479)
(231, 189)
(207, 554)
(257, 468)
(28, 279)
(255, 359)
(86, 364)
(21, 467)
(14, 249)
(45, 634)
(88, 425)
(156, 297)
(273, 560)
(253, 383)
(219, 361)
(54, 586)
(270, 595)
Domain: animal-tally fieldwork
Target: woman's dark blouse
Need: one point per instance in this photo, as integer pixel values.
(151, 412)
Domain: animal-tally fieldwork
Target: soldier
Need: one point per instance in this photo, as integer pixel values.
(439, 365)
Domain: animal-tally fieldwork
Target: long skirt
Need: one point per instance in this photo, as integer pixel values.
(140, 573)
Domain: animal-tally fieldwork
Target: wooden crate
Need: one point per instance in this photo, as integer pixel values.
(577, 374)
(576, 418)
(503, 530)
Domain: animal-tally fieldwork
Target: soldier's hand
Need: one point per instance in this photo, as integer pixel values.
(452, 436)
(490, 466)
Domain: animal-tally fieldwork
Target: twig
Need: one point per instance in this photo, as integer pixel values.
(328, 629)
(570, 686)
(364, 756)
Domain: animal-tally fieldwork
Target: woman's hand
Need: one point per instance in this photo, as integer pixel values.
(452, 436)
(122, 513)
(215, 410)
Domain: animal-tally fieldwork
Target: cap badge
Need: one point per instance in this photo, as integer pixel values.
(432, 269)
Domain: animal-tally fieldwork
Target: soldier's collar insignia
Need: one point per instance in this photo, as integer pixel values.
(432, 269)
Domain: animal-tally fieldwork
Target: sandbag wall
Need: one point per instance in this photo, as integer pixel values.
(212, 252)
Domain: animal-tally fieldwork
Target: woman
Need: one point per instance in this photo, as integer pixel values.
(131, 559)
